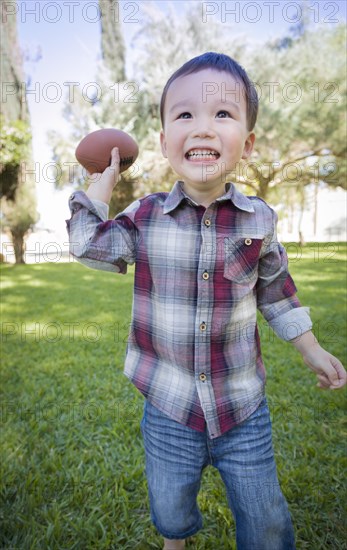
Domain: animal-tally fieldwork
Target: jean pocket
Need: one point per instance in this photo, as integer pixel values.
(241, 259)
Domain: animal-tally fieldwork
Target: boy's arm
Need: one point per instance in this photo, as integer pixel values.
(95, 241)
(278, 303)
(276, 291)
(329, 370)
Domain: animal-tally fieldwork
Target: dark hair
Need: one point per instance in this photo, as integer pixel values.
(218, 62)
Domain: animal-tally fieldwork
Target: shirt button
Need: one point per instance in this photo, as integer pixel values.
(207, 222)
(202, 377)
(203, 326)
(248, 241)
(205, 275)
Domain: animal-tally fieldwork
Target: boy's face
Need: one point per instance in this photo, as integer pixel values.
(205, 129)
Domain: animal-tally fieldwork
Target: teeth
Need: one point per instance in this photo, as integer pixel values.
(202, 153)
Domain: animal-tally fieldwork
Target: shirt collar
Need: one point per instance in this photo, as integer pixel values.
(177, 195)
(240, 200)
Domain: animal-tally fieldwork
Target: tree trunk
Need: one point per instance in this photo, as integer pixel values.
(315, 211)
(263, 188)
(18, 245)
(301, 215)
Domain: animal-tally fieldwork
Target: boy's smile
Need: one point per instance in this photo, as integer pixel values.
(205, 131)
(202, 154)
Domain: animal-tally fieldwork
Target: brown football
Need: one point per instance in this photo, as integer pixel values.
(94, 151)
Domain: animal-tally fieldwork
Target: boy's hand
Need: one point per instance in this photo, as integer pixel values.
(102, 185)
(329, 370)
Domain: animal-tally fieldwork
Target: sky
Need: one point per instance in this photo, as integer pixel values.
(61, 43)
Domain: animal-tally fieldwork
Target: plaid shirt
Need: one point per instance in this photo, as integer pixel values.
(201, 273)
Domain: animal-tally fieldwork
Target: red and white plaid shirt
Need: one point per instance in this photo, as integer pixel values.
(200, 275)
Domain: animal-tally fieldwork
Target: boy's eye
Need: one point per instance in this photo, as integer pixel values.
(223, 114)
(185, 115)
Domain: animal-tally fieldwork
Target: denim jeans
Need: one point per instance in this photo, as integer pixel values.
(175, 458)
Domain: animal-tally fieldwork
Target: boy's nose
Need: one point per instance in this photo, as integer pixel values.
(203, 130)
(204, 133)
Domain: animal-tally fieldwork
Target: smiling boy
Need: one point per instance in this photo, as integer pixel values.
(206, 258)
(198, 151)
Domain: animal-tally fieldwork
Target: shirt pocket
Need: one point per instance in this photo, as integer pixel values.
(241, 258)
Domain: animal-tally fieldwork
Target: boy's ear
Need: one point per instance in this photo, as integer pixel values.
(163, 143)
(249, 144)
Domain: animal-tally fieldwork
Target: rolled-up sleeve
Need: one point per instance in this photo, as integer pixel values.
(276, 292)
(97, 242)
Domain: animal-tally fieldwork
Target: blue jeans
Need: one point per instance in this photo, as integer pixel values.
(175, 458)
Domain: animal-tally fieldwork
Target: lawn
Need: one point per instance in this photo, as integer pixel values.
(71, 449)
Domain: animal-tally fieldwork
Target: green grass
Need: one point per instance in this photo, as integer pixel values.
(72, 454)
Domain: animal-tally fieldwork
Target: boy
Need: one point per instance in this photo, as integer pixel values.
(206, 257)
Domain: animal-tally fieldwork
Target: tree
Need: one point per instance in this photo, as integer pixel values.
(18, 202)
(300, 129)
(14, 147)
(19, 217)
(115, 108)
(18, 199)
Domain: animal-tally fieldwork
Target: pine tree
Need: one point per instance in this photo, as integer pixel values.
(113, 55)
(112, 43)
